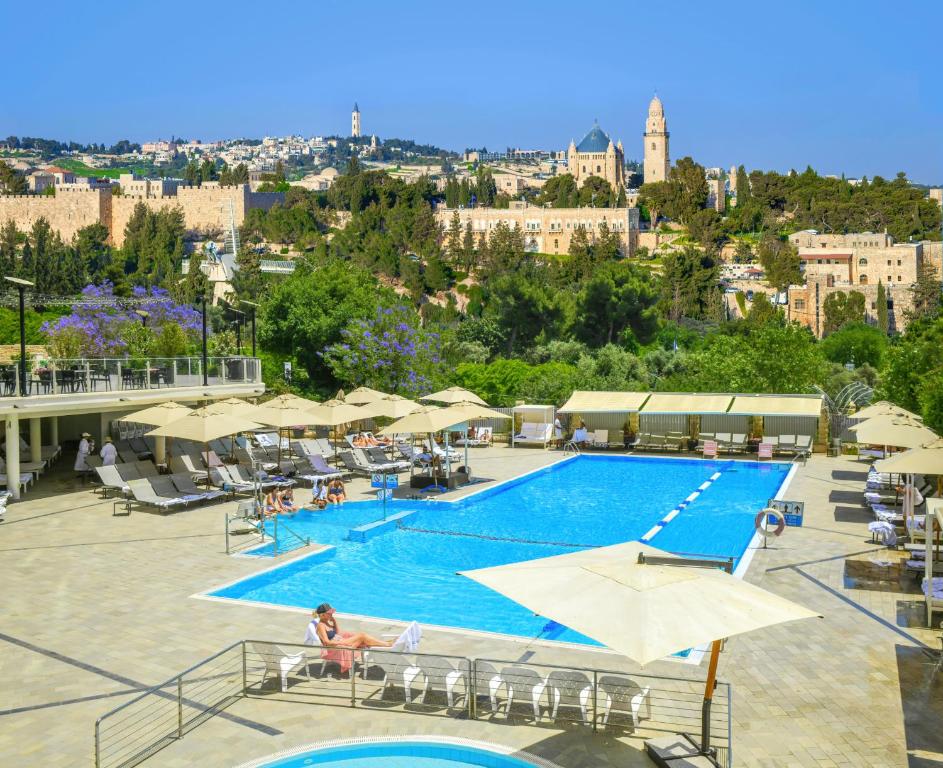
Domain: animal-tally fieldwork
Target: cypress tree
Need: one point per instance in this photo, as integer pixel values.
(882, 307)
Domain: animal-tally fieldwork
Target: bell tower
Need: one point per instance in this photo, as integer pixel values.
(355, 122)
(657, 160)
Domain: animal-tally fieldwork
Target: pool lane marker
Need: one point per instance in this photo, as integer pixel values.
(677, 510)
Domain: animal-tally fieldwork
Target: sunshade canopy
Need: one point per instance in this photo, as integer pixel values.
(475, 412)
(232, 406)
(158, 415)
(454, 395)
(391, 407)
(884, 408)
(643, 611)
(201, 426)
(364, 395)
(287, 415)
(582, 401)
(771, 405)
(925, 459)
(681, 402)
(333, 412)
(898, 431)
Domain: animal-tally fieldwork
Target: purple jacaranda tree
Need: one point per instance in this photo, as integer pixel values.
(113, 328)
(389, 352)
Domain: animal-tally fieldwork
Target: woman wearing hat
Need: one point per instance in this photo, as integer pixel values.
(85, 448)
(108, 453)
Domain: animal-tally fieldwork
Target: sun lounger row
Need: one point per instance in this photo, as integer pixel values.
(162, 492)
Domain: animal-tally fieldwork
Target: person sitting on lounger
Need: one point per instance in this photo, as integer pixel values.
(336, 493)
(324, 630)
(360, 441)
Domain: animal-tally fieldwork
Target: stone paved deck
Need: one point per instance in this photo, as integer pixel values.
(95, 608)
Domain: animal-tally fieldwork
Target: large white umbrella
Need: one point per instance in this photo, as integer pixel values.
(232, 406)
(333, 413)
(158, 415)
(926, 459)
(454, 395)
(883, 408)
(391, 407)
(201, 426)
(364, 395)
(640, 601)
(899, 431)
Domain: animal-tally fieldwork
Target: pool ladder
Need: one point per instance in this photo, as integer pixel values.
(571, 447)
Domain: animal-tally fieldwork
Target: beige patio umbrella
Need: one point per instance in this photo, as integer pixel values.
(283, 414)
(333, 413)
(363, 395)
(391, 407)
(898, 431)
(642, 602)
(471, 412)
(883, 408)
(454, 395)
(201, 426)
(924, 459)
(158, 416)
(232, 406)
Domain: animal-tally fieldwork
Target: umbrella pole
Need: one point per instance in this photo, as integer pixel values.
(709, 697)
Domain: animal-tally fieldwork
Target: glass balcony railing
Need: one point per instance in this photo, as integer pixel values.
(110, 374)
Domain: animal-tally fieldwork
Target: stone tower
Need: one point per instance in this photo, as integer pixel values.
(657, 160)
(355, 122)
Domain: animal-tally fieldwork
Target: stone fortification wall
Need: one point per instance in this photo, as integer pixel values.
(205, 209)
(67, 212)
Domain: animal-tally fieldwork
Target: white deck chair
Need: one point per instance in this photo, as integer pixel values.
(525, 683)
(439, 673)
(488, 682)
(624, 694)
(280, 663)
(569, 689)
(601, 438)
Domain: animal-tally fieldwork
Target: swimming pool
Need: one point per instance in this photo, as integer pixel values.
(406, 570)
(414, 752)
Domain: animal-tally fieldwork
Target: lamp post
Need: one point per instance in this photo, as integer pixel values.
(254, 306)
(21, 286)
(203, 313)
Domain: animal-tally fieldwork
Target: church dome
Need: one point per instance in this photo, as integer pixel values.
(655, 108)
(594, 141)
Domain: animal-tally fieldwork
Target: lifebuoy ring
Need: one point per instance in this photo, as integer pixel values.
(764, 531)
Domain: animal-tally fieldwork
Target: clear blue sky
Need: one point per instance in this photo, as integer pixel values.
(853, 87)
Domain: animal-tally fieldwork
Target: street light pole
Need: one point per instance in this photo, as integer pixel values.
(203, 312)
(253, 305)
(21, 286)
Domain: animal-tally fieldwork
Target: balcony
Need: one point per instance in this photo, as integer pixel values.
(89, 375)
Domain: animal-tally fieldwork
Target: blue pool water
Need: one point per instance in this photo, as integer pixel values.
(408, 572)
(400, 754)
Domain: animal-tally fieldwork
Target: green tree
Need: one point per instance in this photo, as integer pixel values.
(657, 198)
(485, 190)
(690, 189)
(855, 342)
(913, 363)
(841, 308)
(596, 192)
(618, 299)
(248, 280)
(763, 311)
(9, 239)
(208, 171)
(11, 181)
(926, 293)
(689, 282)
(559, 192)
(780, 261)
(91, 244)
(881, 302)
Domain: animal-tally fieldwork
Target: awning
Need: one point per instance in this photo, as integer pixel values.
(584, 401)
(680, 402)
(773, 405)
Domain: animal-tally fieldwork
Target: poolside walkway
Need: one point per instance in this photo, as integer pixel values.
(97, 607)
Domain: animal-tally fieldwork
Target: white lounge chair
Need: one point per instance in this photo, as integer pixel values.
(280, 663)
(439, 674)
(482, 437)
(534, 433)
(601, 438)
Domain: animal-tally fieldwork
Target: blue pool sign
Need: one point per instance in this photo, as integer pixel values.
(382, 480)
(384, 494)
(792, 511)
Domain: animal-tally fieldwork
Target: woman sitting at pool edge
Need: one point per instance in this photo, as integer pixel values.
(336, 493)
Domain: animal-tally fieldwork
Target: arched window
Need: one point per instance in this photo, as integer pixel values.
(862, 262)
(863, 280)
(598, 169)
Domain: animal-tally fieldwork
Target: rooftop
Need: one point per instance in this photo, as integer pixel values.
(595, 141)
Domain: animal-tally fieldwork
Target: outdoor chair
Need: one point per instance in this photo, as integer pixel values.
(140, 447)
(24, 481)
(738, 442)
(163, 486)
(622, 693)
(184, 463)
(377, 456)
(221, 478)
(147, 468)
(601, 438)
(352, 465)
(33, 467)
(677, 440)
(398, 670)
(526, 684)
(488, 682)
(803, 446)
(415, 456)
(321, 469)
(128, 471)
(280, 663)
(439, 674)
(185, 486)
(143, 493)
(723, 441)
(787, 443)
(570, 689)
(110, 480)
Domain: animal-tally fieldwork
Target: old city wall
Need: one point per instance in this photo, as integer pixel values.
(67, 212)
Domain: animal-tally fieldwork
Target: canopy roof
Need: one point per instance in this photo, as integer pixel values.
(777, 405)
(583, 401)
(158, 415)
(202, 426)
(608, 594)
(926, 459)
(392, 407)
(683, 402)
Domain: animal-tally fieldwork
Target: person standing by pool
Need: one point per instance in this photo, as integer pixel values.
(108, 453)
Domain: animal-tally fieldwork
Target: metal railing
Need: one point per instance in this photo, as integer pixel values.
(106, 374)
(631, 704)
(284, 539)
(251, 536)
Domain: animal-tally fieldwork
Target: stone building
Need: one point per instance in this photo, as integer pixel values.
(596, 155)
(937, 194)
(716, 194)
(355, 122)
(549, 230)
(657, 161)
